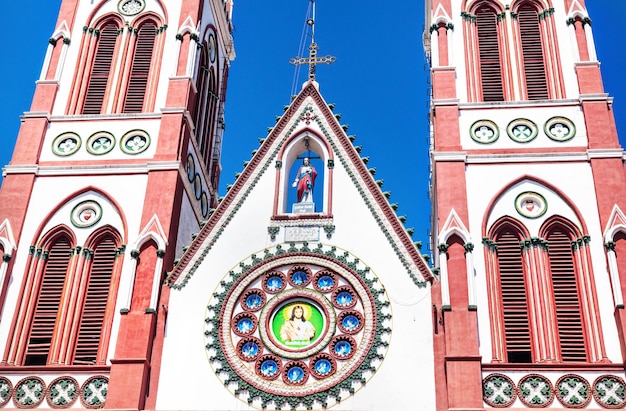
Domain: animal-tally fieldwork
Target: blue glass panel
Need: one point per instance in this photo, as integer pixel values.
(253, 301)
(344, 298)
(274, 283)
(323, 366)
(245, 325)
(350, 322)
(343, 348)
(250, 349)
(295, 374)
(325, 282)
(299, 277)
(269, 368)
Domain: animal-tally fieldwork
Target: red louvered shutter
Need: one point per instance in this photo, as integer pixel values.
(534, 66)
(490, 66)
(136, 91)
(564, 284)
(99, 76)
(48, 299)
(95, 303)
(514, 299)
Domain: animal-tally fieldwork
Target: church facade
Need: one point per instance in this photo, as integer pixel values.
(528, 194)
(128, 284)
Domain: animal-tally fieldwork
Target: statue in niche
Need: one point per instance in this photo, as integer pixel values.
(305, 181)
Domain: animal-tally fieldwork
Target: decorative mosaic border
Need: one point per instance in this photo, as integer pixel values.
(61, 393)
(337, 383)
(572, 391)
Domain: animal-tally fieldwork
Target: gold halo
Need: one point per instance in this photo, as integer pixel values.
(305, 307)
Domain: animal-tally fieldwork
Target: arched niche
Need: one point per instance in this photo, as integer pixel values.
(304, 145)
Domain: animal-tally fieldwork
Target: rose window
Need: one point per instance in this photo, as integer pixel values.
(299, 329)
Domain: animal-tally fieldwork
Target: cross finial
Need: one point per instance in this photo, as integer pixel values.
(313, 59)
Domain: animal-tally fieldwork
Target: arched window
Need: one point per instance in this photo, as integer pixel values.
(542, 307)
(140, 68)
(489, 53)
(208, 105)
(94, 307)
(566, 297)
(532, 53)
(116, 70)
(67, 300)
(513, 295)
(101, 68)
(48, 298)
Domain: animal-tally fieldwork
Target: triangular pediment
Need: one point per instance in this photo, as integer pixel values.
(348, 185)
(617, 222)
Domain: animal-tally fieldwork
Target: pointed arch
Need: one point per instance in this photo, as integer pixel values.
(69, 289)
(147, 255)
(615, 246)
(295, 149)
(537, 50)
(485, 41)
(117, 70)
(507, 273)
(55, 55)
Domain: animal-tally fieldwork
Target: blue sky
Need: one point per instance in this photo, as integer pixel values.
(378, 84)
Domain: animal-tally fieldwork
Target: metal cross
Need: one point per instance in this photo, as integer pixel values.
(312, 60)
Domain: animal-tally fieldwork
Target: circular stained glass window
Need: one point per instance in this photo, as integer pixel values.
(66, 144)
(301, 329)
(484, 131)
(135, 142)
(560, 129)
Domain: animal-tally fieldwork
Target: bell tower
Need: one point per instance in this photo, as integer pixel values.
(529, 193)
(116, 164)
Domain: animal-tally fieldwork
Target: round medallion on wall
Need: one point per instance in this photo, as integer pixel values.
(29, 392)
(212, 48)
(135, 142)
(191, 168)
(573, 391)
(197, 186)
(86, 214)
(131, 7)
(530, 204)
(6, 390)
(535, 391)
(610, 391)
(100, 143)
(522, 130)
(560, 129)
(484, 131)
(93, 393)
(499, 390)
(66, 144)
(62, 392)
(204, 204)
(273, 325)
